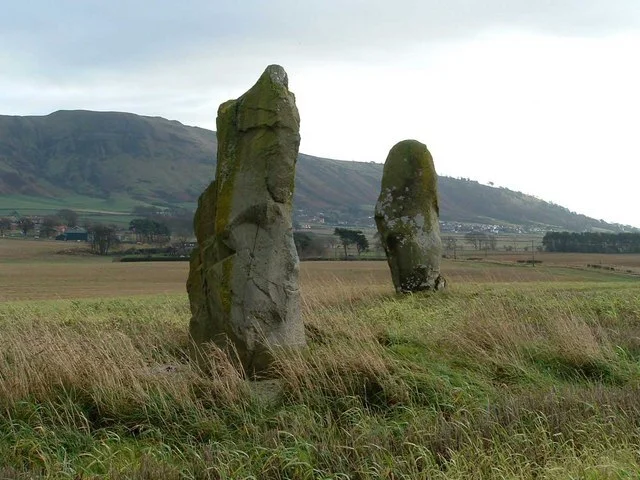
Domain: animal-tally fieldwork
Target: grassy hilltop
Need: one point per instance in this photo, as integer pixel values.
(514, 372)
(110, 162)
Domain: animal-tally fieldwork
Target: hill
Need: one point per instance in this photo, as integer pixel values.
(114, 161)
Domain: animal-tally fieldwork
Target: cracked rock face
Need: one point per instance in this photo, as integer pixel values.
(407, 217)
(243, 278)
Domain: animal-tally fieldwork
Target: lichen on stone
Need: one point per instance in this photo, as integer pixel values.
(407, 217)
(243, 286)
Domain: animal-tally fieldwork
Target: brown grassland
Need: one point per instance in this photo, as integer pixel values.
(620, 261)
(55, 270)
(513, 372)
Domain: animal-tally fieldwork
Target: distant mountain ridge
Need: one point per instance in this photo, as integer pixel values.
(151, 160)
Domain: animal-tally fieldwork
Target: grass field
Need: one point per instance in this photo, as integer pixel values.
(513, 372)
(116, 210)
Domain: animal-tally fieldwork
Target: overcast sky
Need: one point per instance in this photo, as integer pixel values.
(539, 96)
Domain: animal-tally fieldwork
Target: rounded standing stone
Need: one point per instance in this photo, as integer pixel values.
(407, 217)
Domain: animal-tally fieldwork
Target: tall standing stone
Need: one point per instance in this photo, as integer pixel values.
(243, 278)
(407, 217)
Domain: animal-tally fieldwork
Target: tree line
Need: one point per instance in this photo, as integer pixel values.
(148, 230)
(591, 242)
(481, 240)
(352, 237)
(311, 245)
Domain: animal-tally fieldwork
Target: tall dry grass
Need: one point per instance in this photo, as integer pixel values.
(483, 381)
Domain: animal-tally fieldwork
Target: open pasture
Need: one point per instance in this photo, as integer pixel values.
(514, 372)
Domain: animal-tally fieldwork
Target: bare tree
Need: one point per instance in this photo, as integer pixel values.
(5, 224)
(475, 239)
(102, 238)
(48, 226)
(69, 217)
(377, 243)
(481, 240)
(25, 224)
(492, 242)
(451, 244)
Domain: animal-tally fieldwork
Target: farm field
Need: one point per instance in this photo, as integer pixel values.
(33, 270)
(620, 261)
(513, 372)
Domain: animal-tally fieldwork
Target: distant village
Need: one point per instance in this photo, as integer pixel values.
(45, 227)
(306, 221)
(173, 234)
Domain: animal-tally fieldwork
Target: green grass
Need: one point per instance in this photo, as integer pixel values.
(28, 205)
(483, 381)
(115, 210)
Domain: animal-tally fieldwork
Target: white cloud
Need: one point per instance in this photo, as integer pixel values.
(551, 116)
(540, 97)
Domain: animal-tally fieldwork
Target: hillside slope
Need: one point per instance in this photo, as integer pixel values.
(98, 154)
(151, 160)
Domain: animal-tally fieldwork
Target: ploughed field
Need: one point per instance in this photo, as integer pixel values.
(513, 372)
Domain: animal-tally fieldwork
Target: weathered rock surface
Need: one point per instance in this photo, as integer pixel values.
(407, 218)
(243, 278)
